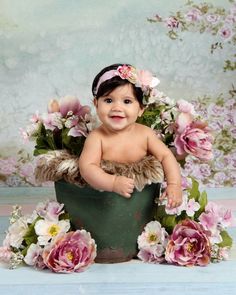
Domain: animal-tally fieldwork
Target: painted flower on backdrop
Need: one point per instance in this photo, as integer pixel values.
(204, 18)
(192, 234)
(44, 240)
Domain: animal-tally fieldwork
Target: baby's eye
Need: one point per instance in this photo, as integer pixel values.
(108, 100)
(127, 101)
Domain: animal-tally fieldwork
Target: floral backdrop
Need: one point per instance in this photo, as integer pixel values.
(55, 48)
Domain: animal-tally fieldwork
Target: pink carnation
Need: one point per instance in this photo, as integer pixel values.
(73, 252)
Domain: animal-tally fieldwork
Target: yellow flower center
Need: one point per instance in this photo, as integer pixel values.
(53, 230)
(190, 247)
(152, 238)
(69, 256)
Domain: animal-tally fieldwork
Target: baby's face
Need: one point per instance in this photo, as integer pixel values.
(119, 109)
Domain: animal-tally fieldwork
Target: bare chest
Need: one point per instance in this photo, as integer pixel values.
(124, 149)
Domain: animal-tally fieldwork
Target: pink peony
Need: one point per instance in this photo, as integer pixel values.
(72, 252)
(196, 140)
(188, 245)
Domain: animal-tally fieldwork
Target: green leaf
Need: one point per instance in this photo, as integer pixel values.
(194, 192)
(30, 236)
(203, 202)
(227, 240)
(169, 222)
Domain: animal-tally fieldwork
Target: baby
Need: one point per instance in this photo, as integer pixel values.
(119, 92)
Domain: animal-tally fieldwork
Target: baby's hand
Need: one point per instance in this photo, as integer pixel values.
(173, 193)
(123, 186)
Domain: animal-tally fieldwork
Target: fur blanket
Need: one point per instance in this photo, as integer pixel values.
(59, 164)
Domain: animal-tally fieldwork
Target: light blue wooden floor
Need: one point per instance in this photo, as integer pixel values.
(132, 277)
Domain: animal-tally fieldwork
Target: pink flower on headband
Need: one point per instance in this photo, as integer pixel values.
(125, 72)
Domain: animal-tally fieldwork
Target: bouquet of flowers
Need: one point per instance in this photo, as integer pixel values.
(191, 234)
(64, 126)
(44, 240)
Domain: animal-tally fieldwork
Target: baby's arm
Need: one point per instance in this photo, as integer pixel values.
(171, 169)
(90, 170)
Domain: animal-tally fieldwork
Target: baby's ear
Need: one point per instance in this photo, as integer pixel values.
(142, 109)
(95, 102)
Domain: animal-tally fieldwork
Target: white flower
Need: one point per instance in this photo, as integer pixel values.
(152, 235)
(16, 232)
(46, 229)
(33, 252)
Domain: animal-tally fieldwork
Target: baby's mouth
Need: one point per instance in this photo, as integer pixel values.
(117, 117)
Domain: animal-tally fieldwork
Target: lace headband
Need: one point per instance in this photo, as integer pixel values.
(140, 78)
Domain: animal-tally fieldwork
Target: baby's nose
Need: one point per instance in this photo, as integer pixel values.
(116, 107)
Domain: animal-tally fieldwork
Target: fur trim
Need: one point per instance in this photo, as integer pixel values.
(59, 164)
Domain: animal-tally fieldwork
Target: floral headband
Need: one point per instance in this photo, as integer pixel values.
(140, 78)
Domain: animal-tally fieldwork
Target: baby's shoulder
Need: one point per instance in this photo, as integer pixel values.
(142, 128)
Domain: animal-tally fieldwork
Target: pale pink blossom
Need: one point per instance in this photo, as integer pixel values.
(152, 242)
(226, 33)
(35, 118)
(16, 232)
(193, 15)
(213, 18)
(220, 177)
(205, 170)
(33, 254)
(185, 106)
(5, 254)
(50, 210)
(78, 130)
(192, 207)
(52, 121)
(214, 219)
(24, 135)
(171, 22)
(69, 104)
(145, 78)
(230, 19)
(26, 170)
(72, 252)
(8, 166)
(152, 255)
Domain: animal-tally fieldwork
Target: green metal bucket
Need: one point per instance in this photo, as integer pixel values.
(113, 221)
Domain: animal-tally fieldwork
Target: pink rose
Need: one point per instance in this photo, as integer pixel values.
(72, 252)
(196, 140)
(188, 245)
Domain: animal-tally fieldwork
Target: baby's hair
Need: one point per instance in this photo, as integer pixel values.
(106, 87)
